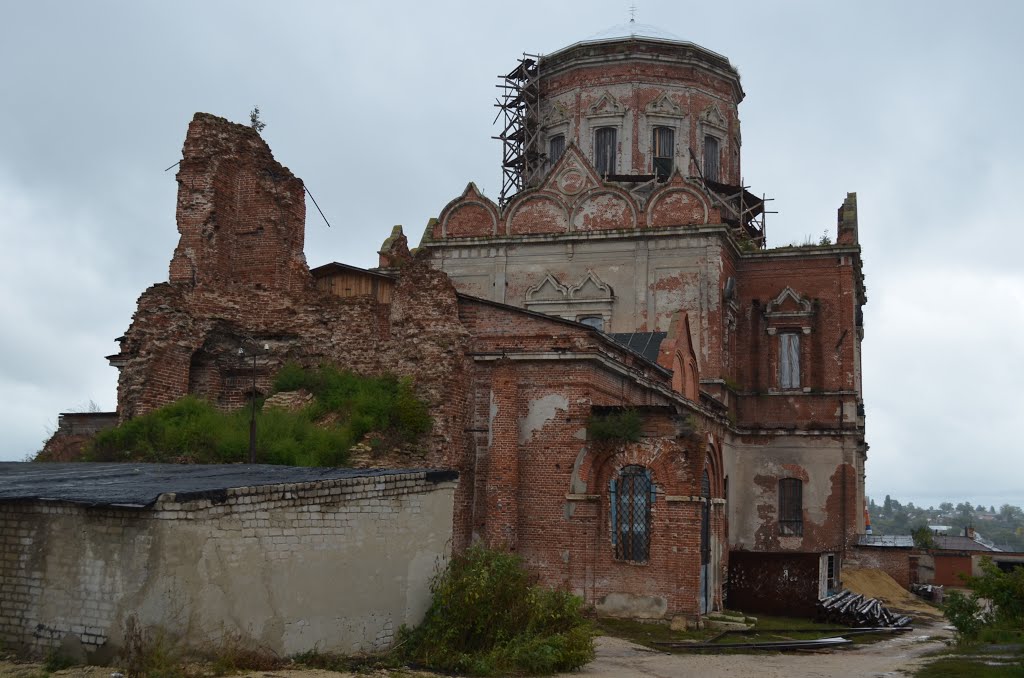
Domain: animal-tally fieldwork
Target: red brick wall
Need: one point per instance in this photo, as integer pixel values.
(241, 214)
(828, 281)
(948, 568)
(895, 562)
(557, 515)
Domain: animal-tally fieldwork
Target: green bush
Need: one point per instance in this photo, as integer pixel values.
(964, 613)
(195, 431)
(1004, 615)
(1005, 590)
(488, 618)
(622, 426)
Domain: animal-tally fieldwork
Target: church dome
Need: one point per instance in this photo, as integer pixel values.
(632, 29)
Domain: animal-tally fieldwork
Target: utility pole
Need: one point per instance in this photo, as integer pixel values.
(252, 413)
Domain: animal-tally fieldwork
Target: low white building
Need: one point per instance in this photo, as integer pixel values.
(281, 558)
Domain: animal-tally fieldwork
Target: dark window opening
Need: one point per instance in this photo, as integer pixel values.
(556, 147)
(711, 158)
(791, 507)
(632, 495)
(604, 150)
(664, 145)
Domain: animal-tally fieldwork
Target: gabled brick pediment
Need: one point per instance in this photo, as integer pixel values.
(789, 304)
(572, 174)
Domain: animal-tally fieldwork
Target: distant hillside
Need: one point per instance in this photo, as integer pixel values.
(1003, 525)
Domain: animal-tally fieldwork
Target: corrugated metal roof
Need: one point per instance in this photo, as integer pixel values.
(889, 540)
(647, 344)
(139, 485)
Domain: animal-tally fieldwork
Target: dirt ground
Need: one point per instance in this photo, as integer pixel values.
(623, 659)
(617, 658)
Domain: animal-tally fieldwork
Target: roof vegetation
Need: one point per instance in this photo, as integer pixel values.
(346, 409)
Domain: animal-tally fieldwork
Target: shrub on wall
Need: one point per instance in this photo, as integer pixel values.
(487, 617)
(615, 427)
(346, 408)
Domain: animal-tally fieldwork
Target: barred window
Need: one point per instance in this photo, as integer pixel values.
(664, 145)
(711, 158)
(604, 150)
(556, 147)
(632, 495)
(791, 507)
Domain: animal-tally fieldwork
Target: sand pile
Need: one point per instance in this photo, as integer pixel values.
(877, 584)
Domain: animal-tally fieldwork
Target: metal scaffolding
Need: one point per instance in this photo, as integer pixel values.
(518, 108)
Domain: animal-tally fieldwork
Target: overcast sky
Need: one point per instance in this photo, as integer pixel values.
(385, 111)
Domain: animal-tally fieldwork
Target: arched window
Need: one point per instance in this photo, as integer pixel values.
(595, 321)
(632, 495)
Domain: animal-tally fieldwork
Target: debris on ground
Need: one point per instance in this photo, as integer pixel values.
(854, 609)
(931, 592)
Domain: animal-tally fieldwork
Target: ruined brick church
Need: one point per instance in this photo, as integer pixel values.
(623, 270)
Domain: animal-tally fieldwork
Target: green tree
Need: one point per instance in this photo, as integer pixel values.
(254, 120)
(923, 537)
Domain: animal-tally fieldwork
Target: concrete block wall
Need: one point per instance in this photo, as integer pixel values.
(336, 565)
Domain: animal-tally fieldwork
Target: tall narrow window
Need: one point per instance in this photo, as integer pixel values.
(604, 150)
(664, 145)
(556, 147)
(632, 495)
(791, 507)
(711, 158)
(789, 360)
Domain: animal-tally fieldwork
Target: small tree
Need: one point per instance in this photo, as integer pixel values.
(923, 537)
(254, 120)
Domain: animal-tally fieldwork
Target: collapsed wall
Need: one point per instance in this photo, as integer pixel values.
(239, 288)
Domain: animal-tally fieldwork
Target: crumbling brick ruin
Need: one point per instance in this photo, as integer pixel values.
(238, 280)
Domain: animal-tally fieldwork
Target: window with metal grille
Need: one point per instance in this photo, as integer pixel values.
(556, 147)
(604, 150)
(711, 158)
(632, 495)
(789, 360)
(664, 146)
(791, 507)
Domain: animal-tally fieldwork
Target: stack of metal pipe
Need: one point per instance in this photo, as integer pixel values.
(853, 609)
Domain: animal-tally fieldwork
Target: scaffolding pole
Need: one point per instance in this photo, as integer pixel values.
(518, 105)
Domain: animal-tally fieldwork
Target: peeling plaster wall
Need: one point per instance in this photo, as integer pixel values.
(652, 276)
(830, 519)
(335, 565)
